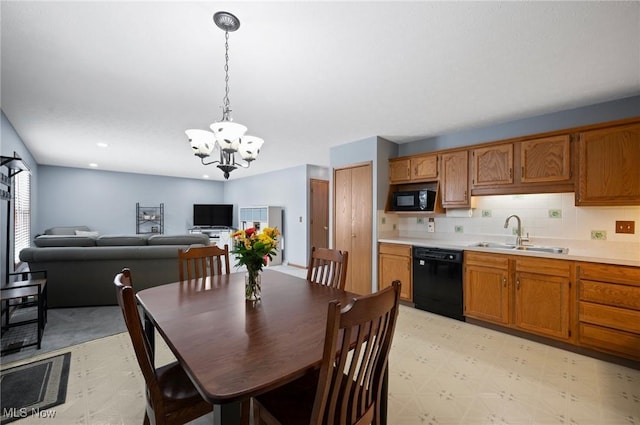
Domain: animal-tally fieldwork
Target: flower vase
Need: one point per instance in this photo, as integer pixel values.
(252, 285)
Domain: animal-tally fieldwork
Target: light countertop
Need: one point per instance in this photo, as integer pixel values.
(612, 255)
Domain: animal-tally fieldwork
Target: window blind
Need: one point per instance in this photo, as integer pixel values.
(21, 213)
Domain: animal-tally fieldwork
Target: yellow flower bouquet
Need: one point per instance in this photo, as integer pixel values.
(253, 250)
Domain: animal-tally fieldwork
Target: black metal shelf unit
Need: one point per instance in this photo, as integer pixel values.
(150, 219)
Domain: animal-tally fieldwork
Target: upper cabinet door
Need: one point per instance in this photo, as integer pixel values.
(424, 167)
(493, 165)
(454, 182)
(546, 160)
(609, 166)
(399, 170)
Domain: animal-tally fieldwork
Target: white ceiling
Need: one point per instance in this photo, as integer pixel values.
(304, 76)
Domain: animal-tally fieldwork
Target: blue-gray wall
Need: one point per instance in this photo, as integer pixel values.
(601, 112)
(286, 188)
(106, 201)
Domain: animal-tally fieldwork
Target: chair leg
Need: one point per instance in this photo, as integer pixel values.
(146, 419)
(245, 412)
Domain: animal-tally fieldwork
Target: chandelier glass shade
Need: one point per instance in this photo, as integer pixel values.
(225, 135)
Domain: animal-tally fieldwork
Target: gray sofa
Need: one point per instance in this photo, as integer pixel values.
(81, 267)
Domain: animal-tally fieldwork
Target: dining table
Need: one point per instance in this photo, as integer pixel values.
(233, 349)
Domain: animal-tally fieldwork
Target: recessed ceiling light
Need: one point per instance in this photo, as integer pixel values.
(102, 145)
(93, 165)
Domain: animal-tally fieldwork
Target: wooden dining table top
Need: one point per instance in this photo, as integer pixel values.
(233, 349)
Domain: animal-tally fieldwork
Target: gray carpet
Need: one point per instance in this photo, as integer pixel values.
(70, 326)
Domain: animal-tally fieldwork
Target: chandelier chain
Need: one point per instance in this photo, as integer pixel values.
(225, 100)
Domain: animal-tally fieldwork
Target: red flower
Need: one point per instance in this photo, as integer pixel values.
(250, 231)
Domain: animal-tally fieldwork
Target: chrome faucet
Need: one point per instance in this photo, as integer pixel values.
(519, 237)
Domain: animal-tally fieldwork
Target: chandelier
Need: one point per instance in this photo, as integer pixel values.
(225, 135)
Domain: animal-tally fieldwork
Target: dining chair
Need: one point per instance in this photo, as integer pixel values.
(328, 267)
(347, 388)
(198, 262)
(171, 397)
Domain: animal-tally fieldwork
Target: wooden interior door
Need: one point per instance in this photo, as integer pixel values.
(353, 226)
(319, 205)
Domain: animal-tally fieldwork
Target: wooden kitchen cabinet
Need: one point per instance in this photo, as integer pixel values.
(609, 308)
(454, 179)
(542, 296)
(417, 168)
(487, 287)
(394, 263)
(530, 294)
(545, 160)
(608, 171)
(399, 170)
(424, 167)
(492, 165)
(534, 165)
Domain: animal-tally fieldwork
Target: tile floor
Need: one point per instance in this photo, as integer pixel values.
(442, 371)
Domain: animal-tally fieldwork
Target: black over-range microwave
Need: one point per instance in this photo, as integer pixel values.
(414, 200)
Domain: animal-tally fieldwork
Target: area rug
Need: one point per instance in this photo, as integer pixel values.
(34, 388)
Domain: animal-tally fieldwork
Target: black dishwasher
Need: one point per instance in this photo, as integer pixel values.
(437, 281)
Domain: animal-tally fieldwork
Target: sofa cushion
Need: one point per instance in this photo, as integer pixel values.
(64, 240)
(86, 233)
(65, 230)
(121, 240)
(179, 239)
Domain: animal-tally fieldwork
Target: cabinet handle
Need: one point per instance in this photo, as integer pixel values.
(510, 173)
(518, 284)
(504, 281)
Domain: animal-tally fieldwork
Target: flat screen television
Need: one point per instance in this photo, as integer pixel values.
(207, 215)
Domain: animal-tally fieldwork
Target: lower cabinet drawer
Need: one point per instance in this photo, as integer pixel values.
(609, 340)
(611, 317)
(395, 249)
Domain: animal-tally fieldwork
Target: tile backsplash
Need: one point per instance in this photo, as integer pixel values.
(546, 217)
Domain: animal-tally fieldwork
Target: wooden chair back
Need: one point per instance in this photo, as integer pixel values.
(171, 397)
(328, 267)
(141, 346)
(198, 262)
(350, 383)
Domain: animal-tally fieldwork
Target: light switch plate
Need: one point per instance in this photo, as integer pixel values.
(599, 235)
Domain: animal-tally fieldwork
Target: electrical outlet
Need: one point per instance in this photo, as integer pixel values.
(420, 220)
(431, 225)
(555, 213)
(625, 227)
(599, 235)
(459, 229)
(384, 220)
(486, 213)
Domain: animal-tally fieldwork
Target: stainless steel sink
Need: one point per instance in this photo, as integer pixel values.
(550, 249)
(494, 245)
(532, 248)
